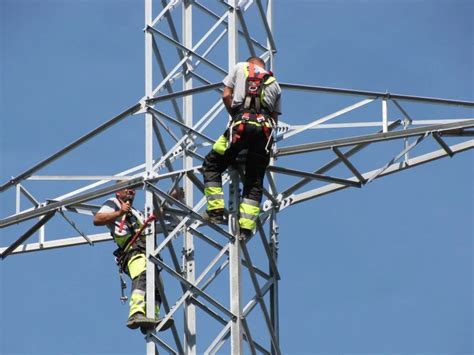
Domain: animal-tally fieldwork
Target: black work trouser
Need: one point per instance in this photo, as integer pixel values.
(256, 141)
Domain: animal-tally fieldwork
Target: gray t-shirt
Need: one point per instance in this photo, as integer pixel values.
(236, 81)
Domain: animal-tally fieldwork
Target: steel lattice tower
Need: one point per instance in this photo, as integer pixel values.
(219, 276)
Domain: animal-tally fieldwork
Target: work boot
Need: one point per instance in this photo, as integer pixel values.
(215, 216)
(138, 319)
(166, 326)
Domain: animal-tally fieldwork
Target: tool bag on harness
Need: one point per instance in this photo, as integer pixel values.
(253, 110)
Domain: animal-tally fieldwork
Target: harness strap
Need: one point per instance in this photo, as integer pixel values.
(253, 110)
(254, 86)
(122, 224)
(123, 221)
(132, 220)
(255, 123)
(266, 128)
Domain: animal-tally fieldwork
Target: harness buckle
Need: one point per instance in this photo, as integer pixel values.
(260, 118)
(253, 89)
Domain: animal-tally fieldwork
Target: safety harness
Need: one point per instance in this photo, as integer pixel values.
(253, 110)
(125, 244)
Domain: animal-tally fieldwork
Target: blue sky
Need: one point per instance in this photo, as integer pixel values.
(387, 269)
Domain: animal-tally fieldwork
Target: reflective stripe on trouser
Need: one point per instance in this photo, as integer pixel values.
(249, 212)
(214, 195)
(137, 271)
(137, 302)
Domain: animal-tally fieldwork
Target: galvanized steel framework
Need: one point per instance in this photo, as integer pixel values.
(182, 143)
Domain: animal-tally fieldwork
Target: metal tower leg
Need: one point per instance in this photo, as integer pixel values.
(234, 250)
(150, 239)
(235, 267)
(274, 296)
(273, 225)
(189, 262)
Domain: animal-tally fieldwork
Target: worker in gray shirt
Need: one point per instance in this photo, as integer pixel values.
(252, 97)
(124, 221)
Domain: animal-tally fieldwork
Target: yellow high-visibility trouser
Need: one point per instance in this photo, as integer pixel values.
(214, 195)
(137, 271)
(249, 212)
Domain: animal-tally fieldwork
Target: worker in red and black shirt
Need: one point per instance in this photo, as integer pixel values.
(252, 97)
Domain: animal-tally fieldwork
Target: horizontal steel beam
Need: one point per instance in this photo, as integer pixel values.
(376, 94)
(83, 208)
(335, 162)
(78, 177)
(73, 241)
(394, 168)
(458, 133)
(60, 243)
(53, 206)
(286, 127)
(136, 171)
(371, 138)
(137, 107)
(293, 172)
(72, 201)
(326, 118)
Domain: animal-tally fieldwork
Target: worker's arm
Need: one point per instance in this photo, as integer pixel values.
(275, 92)
(227, 96)
(104, 218)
